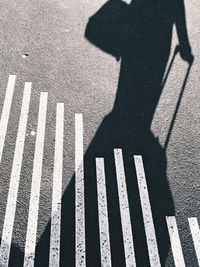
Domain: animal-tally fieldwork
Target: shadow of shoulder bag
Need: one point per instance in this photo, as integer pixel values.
(108, 27)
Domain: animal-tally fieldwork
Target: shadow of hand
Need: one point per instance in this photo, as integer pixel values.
(186, 54)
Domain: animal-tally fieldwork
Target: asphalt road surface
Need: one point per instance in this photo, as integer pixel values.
(99, 155)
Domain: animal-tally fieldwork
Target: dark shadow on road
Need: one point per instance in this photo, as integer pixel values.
(16, 256)
(142, 39)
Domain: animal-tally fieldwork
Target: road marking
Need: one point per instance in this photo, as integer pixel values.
(175, 241)
(147, 213)
(35, 187)
(124, 210)
(103, 214)
(195, 231)
(79, 193)
(6, 111)
(54, 256)
(14, 180)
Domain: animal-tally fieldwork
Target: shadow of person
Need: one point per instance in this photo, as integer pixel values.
(142, 39)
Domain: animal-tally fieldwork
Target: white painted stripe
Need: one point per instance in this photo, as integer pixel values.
(14, 180)
(103, 214)
(54, 256)
(175, 241)
(6, 111)
(147, 213)
(79, 193)
(124, 210)
(195, 231)
(35, 187)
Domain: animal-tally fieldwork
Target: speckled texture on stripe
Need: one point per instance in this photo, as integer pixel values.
(79, 193)
(103, 214)
(124, 210)
(147, 214)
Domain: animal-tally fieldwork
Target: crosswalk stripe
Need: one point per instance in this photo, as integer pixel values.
(6, 111)
(54, 256)
(195, 231)
(15, 178)
(103, 214)
(175, 241)
(124, 210)
(35, 187)
(79, 193)
(147, 213)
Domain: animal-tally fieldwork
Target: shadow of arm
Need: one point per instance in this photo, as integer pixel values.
(180, 22)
